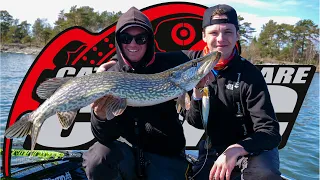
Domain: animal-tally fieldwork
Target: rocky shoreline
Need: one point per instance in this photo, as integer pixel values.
(20, 48)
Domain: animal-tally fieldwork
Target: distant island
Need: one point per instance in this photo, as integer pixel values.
(35, 50)
(20, 48)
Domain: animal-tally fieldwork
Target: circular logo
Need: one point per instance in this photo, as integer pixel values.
(183, 34)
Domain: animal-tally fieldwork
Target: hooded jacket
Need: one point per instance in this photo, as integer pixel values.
(133, 17)
(160, 129)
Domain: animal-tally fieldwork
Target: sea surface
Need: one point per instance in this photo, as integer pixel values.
(299, 159)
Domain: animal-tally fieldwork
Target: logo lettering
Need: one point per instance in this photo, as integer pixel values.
(66, 176)
(284, 100)
(285, 75)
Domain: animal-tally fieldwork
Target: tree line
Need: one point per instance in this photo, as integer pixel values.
(41, 32)
(298, 43)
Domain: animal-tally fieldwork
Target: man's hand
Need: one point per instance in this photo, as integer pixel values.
(100, 106)
(226, 162)
(106, 66)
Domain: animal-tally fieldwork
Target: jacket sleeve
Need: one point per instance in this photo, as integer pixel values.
(266, 134)
(193, 115)
(105, 131)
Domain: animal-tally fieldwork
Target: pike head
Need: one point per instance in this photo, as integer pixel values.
(188, 75)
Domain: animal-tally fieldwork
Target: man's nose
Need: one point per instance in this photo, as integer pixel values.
(220, 36)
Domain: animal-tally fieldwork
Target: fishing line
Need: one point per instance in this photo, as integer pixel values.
(206, 130)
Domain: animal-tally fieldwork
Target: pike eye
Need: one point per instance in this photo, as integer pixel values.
(194, 64)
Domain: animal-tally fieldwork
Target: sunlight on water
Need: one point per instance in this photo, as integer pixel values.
(13, 68)
(300, 158)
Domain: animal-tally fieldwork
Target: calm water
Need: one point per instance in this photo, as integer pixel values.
(299, 159)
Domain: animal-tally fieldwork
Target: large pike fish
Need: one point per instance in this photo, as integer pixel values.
(65, 96)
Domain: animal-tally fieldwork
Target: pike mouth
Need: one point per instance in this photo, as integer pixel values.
(209, 64)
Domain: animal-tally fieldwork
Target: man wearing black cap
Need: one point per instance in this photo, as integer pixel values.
(241, 126)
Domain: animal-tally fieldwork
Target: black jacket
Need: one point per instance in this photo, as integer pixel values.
(261, 130)
(159, 125)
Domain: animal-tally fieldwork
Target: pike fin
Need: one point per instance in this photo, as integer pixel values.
(48, 87)
(183, 102)
(187, 101)
(20, 128)
(66, 118)
(206, 91)
(119, 107)
(115, 106)
(109, 115)
(178, 108)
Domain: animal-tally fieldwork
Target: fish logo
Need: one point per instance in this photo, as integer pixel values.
(77, 52)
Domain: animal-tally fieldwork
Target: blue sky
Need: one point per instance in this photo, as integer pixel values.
(257, 12)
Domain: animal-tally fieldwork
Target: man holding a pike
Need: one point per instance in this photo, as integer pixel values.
(233, 105)
(154, 139)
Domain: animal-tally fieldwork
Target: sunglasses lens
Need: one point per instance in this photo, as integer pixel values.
(125, 38)
(141, 39)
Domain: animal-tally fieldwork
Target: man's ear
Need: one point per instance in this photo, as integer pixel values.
(238, 35)
(204, 35)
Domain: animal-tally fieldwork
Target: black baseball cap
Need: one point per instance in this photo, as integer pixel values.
(229, 11)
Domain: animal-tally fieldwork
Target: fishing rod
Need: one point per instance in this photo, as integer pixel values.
(45, 161)
(53, 156)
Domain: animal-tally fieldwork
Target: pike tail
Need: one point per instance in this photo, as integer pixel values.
(23, 127)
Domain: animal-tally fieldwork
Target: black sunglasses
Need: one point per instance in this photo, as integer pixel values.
(140, 39)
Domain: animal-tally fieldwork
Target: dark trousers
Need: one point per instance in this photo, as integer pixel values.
(261, 167)
(117, 162)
